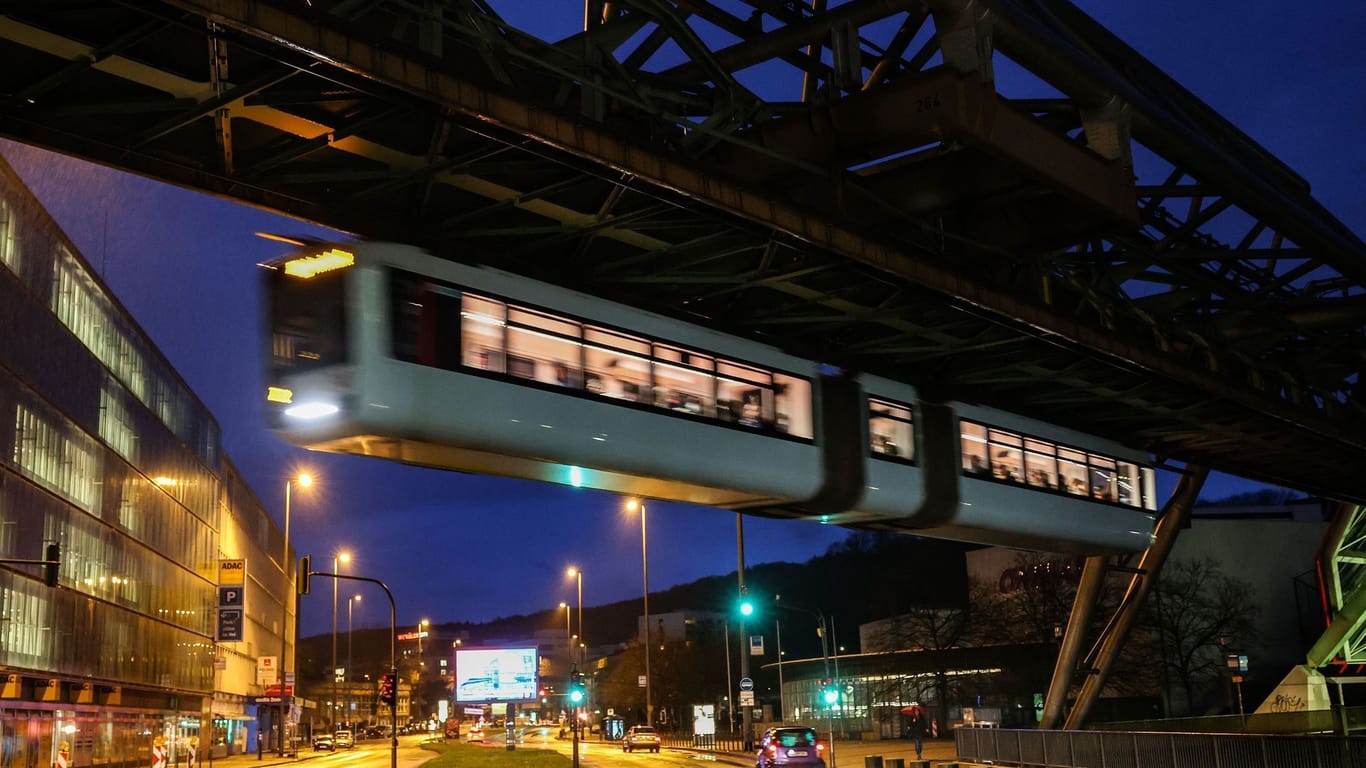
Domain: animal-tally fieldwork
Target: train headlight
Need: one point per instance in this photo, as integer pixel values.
(311, 410)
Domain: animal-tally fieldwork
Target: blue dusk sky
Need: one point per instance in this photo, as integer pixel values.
(463, 547)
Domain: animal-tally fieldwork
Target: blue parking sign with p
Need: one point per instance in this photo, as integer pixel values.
(229, 596)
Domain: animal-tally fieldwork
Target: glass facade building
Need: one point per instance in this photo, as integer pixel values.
(105, 451)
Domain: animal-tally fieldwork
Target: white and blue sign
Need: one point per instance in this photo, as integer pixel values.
(229, 625)
(746, 684)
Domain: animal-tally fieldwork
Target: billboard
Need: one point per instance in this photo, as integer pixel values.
(495, 674)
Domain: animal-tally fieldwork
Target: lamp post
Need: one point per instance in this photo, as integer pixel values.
(568, 633)
(825, 656)
(393, 659)
(340, 557)
(645, 578)
(577, 573)
(350, 603)
(304, 480)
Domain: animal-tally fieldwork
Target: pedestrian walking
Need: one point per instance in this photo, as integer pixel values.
(917, 727)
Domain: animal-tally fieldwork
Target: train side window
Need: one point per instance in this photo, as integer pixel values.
(542, 347)
(684, 381)
(889, 429)
(1006, 460)
(1041, 468)
(792, 396)
(482, 324)
(1102, 478)
(974, 440)
(616, 365)
(1126, 481)
(1072, 471)
(744, 395)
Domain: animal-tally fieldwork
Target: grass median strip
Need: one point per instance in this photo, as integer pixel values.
(457, 755)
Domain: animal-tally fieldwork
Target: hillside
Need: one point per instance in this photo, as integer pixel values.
(865, 577)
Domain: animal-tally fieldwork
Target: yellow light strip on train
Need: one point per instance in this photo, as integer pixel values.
(309, 266)
(279, 395)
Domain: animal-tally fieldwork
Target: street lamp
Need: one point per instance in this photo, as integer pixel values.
(819, 615)
(568, 633)
(340, 557)
(577, 573)
(304, 480)
(350, 603)
(632, 505)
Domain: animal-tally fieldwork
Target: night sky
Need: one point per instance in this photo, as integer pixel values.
(461, 547)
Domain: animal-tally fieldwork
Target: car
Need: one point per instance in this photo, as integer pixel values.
(476, 734)
(790, 745)
(323, 741)
(344, 740)
(640, 737)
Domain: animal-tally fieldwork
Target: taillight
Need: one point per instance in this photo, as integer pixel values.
(820, 746)
(773, 750)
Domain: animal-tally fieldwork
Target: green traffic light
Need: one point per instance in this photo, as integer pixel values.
(832, 696)
(576, 696)
(746, 608)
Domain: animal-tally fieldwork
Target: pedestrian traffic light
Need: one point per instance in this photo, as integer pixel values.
(52, 563)
(576, 692)
(388, 693)
(302, 580)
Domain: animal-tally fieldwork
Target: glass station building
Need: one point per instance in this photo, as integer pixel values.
(105, 451)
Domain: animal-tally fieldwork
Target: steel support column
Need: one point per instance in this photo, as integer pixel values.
(1149, 567)
(1083, 606)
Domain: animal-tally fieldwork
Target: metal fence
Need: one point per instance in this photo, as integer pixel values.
(719, 742)
(1117, 749)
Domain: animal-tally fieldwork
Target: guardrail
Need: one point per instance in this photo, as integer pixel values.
(1131, 749)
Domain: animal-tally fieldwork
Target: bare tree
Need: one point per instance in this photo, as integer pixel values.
(1195, 607)
(928, 629)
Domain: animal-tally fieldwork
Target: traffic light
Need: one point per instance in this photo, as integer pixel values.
(388, 692)
(302, 579)
(544, 693)
(576, 692)
(746, 605)
(829, 693)
(53, 562)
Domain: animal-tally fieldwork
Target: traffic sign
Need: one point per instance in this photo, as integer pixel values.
(746, 698)
(746, 684)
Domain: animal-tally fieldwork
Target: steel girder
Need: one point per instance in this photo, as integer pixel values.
(873, 200)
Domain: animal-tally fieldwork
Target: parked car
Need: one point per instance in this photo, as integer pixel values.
(323, 741)
(344, 740)
(790, 745)
(640, 737)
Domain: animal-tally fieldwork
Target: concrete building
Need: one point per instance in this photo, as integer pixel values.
(105, 451)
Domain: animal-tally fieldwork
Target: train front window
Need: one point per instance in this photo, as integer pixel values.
(307, 321)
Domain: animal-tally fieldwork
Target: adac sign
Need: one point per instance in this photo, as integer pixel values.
(232, 573)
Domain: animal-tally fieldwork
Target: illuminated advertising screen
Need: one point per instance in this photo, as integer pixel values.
(495, 674)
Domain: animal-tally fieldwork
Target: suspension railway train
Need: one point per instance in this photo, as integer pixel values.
(380, 349)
